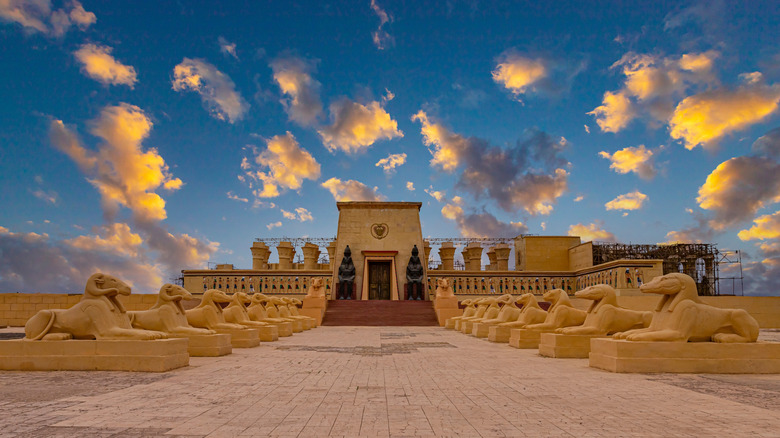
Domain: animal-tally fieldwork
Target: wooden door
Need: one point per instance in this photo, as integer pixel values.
(379, 280)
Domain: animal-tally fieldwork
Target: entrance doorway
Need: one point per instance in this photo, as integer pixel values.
(379, 280)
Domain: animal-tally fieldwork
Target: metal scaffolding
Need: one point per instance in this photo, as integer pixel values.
(701, 261)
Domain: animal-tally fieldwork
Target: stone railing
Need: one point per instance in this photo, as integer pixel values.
(624, 275)
(287, 282)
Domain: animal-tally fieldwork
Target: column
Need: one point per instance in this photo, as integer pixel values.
(332, 253)
(502, 257)
(447, 256)
(426, 252)
(311, 253)
(260, 253)
(491, 253)
(474, 254)
(286, 251)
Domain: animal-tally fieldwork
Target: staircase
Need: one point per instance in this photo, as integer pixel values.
(379, 313)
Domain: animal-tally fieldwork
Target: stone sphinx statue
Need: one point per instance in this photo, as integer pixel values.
(509, 312)
(530, 313)
(316, 288)
(560, 314)
(414, 276)
(346, 276)
(257, 312)
(444, 288)
(604, 315)
(167, 315)
(681, 317)
(98, 315)
(470, 310)
(209, 312)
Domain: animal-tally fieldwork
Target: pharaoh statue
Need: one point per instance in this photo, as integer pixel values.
(414, 276)
(346, 276)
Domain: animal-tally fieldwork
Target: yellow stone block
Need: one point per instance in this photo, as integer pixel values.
(82, 355)
(209, 345)
(246, 338)
(524, 338)
(499, 333)
(443, 314)
(565, 346)
(620, 356)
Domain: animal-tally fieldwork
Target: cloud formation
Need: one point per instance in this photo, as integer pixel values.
(629, 201)
(354, 127)
(286, 164)
(216, 89)
(410, 186)
(391, 162)
(738, 188)
(293, 76)
(112, 238)
(480, 224)
(632, 159)
(381, 38)
(704, 118)
(591, 232)
(615, 113)
(351, 190)
(38, 16)
(518, 73)
(765, 227)
(529, 175)
(123, 172)
(97, 63)
(300, 214)
(227, 48)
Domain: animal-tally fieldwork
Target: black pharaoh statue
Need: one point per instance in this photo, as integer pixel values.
(346, 276)
(414, 277)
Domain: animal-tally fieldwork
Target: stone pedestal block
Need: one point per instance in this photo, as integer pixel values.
(481, 330)
(246, 338)
(446, 308)
(565, 346)
(268, 333)
(314, 307)
(92, 355)
(525, 339)
(620, 356)
(209, 345)
(499, 333)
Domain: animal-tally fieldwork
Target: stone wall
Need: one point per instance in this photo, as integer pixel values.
(544, 253)
(16, 309)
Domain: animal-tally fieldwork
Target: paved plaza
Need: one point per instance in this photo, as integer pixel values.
(386, 381)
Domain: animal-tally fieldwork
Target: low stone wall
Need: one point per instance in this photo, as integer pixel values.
(16, 309)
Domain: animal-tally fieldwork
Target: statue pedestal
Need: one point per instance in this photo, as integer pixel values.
(93, 355)
(498, 333)
(314, 307)
(246, 338)
(482, 330)
(209, 345)
(446, 308)
(566, 346)
(620, 356)
(268, 333)
(526, 339)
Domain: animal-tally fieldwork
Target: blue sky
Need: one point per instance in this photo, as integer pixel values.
(180, 131)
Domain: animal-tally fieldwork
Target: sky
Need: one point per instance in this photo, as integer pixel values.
(143, 138)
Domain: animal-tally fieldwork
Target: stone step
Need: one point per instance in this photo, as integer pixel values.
(379, 313)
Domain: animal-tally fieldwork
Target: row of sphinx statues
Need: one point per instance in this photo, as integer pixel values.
(100, 314)
(679, 316)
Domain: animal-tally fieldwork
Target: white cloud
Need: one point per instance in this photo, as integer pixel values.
(293, 76)
(436, 194)
(97, 63)
(628, 201)
(300, 214)
(391, 162)
(410, 186)
(273, 225)
(216, 89)
(286, 164)
(351, 190)
(355, 127)
(235, 197)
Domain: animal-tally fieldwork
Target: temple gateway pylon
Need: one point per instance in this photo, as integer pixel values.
(381, 236)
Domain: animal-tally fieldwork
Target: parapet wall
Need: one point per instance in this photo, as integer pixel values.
(16, 309)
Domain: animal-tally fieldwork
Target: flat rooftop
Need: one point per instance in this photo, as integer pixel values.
(387, 381)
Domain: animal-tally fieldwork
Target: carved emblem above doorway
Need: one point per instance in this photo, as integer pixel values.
(379, 231)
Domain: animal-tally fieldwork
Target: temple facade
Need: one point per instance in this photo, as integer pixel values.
(382, 236)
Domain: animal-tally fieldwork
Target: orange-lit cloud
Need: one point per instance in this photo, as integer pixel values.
(351, 190)
(287, 166)
(300, 214)
(392, 161)
(37, 15)
(518, 73)
(410, 186)
(293, 76)
(123, 173)
(632, 159)
(273, 225)
(766, 227)
(704, 118)
(738, 187)
(629, 201)
(447, 146)
(115, 238)
(591, 232)
(216, 89)
(355, 127)
(436, 194)
(615, 112)
(98, 64)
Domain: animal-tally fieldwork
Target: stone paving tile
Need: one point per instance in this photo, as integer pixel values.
(387, 381)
